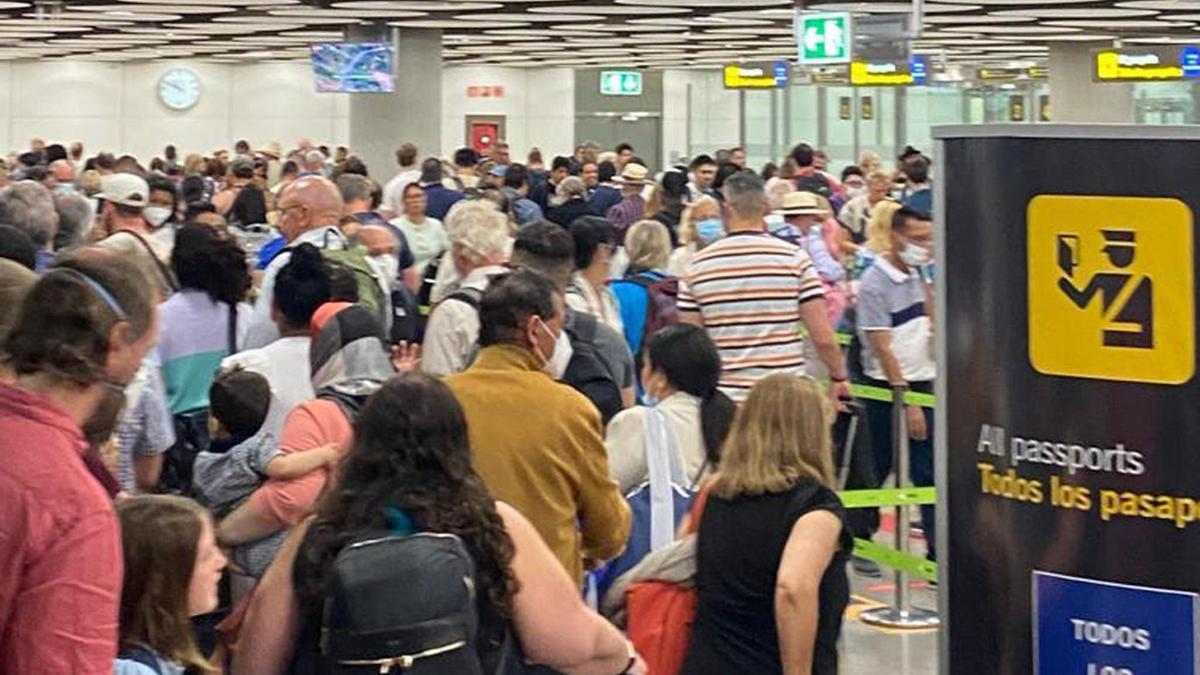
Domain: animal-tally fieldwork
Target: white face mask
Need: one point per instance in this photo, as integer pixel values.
(156, 215)
(388, 266)
(775, 222)
(915, 256)
(556, 365)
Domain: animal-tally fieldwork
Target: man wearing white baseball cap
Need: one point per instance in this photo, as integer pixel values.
(123, 197)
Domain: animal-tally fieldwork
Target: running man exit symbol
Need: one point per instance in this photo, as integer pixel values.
(1111, 288)
(823, 38)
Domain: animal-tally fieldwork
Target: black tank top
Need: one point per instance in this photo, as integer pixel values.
(739, 547)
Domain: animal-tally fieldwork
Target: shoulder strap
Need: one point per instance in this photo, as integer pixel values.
(468, 296)
(232, 338)
(162, 268)
(143, 656)
(698, 504)
(666, 470)
(646, 279)
(583, 328)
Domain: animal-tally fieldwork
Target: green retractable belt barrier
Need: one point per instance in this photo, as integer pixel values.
(880, 394)
(864, 499)
(905, 562)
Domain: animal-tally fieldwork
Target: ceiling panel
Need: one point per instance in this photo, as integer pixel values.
(537, 33)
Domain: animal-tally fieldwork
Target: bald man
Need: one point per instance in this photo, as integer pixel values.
(309, 211)
(378, 239)
(63, 172)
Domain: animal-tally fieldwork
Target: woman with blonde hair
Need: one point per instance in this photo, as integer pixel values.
(773, 542)
(172, 568)
(699, 226)
(879, 227)
(648, 246)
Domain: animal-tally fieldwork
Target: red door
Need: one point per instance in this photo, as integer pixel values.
(483, 136)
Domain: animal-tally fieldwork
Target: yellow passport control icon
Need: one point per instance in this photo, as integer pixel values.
(1111, 291)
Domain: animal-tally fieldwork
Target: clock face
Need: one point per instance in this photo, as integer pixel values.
(179, 89)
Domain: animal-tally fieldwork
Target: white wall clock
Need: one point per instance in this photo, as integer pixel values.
(179, 88)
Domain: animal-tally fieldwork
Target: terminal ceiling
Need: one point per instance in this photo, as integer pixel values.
(562, 33)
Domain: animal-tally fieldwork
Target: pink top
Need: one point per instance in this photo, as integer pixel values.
(60, 545)
(311, 424)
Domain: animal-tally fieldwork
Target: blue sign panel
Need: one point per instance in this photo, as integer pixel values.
(781, 70)
(1189, 61)
(918, 68)
(1088, 627)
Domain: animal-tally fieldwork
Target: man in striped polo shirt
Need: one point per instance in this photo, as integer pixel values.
(751, 291)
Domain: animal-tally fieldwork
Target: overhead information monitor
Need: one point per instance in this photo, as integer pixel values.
(353, 67)
(824, 37)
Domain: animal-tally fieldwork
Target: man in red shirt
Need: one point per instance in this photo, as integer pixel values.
(77, 342)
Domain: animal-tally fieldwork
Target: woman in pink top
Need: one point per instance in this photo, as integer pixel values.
(349, 363)
(78, 341)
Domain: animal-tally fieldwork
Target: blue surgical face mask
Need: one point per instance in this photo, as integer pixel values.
(709, 230)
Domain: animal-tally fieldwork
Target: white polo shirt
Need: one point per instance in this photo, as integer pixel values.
(891, 300)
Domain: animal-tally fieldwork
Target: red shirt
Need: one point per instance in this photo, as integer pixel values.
(60, 545)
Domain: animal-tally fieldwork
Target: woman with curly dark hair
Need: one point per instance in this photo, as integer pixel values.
(410, 472)
(206, 320)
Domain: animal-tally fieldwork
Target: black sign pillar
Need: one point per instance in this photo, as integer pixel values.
(1068, 439)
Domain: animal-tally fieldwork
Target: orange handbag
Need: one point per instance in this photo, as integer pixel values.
(660, 613)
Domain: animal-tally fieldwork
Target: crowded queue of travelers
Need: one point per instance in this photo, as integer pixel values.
(260, 413)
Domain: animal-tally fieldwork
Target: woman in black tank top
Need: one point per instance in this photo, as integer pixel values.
(771, 531)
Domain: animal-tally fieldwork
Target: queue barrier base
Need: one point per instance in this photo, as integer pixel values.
(891, 617)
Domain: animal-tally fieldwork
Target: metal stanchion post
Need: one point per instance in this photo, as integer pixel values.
(902, 614)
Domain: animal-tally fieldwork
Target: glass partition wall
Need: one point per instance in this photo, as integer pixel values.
(845, 120)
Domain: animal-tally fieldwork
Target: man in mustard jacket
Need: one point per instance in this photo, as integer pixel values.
(538, 444)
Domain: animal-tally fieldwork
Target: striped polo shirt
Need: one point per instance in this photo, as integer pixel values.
(748, 288)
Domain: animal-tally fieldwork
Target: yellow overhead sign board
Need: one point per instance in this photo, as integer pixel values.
(991, 74)
(767, 75)
(887, 74)
(1154, 64)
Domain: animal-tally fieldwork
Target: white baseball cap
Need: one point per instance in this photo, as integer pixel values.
(125, 189)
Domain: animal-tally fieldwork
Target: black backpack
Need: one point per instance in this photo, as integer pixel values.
(586, 372)
(814, 183)
(405, 604)
(424, 296)
(407, 323)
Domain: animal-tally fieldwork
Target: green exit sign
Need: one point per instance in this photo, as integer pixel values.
(621, 83)
(824, 38)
